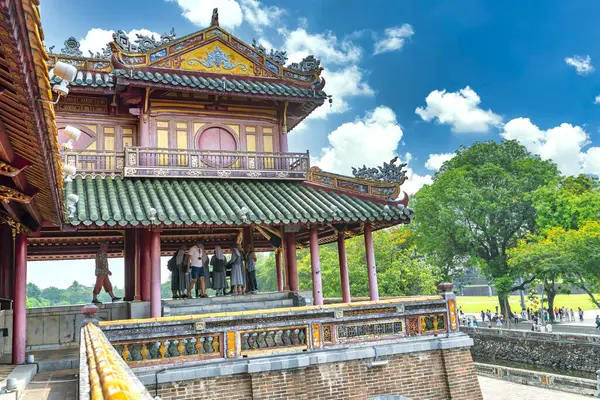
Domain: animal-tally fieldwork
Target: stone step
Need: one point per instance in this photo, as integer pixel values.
(224, 307)
(249, 298)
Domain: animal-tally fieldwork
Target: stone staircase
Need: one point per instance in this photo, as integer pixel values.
(259, 301)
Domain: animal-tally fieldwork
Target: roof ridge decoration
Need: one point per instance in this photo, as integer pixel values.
(143, 43)
(390, 172)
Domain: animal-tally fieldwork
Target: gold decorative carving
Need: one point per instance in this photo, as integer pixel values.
(351, 313)
(81, 104)
(327, 333)
(316, 335)
(8, 170)
(9, 194)
(17, 227)
(382, 190)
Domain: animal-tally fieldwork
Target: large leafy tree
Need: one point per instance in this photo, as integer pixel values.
(479, 205)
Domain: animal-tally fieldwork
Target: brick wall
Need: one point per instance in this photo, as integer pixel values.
(447, 374)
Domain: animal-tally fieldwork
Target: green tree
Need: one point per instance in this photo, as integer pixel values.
(33, 290)
(479, 205)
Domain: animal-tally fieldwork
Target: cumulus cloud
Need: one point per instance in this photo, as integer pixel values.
(370, 140)
(341, 85)
(435, 161)
(325, 46)
(258, 15)
(583, 65)
(563, 144)
(597, 100)
(200, 12)
(96, 39)
(393, 39)
(460, 110)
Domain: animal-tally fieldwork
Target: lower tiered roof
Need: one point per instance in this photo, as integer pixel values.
(129, 202)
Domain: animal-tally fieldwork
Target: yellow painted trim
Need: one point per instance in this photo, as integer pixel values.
(179, 318)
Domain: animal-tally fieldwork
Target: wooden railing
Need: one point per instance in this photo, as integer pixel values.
(190, 163)
(223, 336)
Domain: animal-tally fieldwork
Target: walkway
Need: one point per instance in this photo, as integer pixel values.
(497, 389)
(56, 385)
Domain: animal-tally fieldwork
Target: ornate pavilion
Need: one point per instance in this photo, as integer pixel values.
(158, 142)
(175, 139)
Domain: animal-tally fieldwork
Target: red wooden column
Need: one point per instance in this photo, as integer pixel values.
(145, 263)
(345, 282)
(6, 262)
(138, 266)
(155, 274)
(129, 253)
(291, 262)
(20, 300)
(370, 253)
(315, 263)
(278, 270)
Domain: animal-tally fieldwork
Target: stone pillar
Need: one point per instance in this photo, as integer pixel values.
(291, 262)
(155, 303)
(344, 281)
(145, 264)
(452, 320)
(278, 270)
(315, 264)
(129, 246)
(20, 300)
(371, 269)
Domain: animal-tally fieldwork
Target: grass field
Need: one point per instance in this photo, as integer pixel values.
(474, 304)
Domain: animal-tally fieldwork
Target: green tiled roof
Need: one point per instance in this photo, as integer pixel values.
(249, 86)
(118, 201)
(87, 79)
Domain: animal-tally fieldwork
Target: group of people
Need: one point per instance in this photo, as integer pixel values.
(193, 270)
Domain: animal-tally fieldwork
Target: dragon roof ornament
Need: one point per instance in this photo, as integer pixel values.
(279, 56)
(308, 64)
(143, 43)
(390, 172)
(106, 53)
(71, 48)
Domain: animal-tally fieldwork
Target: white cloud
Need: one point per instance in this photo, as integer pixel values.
(415, 182)
(341, 84)
(562, 144)
(459, 109)
(597, 100)
(591, 162)
(259, 15)
(393, 39)
(371, 141)
(583, 65)
(199, 12)
(435, 161)
(96, 39)
(325, 46)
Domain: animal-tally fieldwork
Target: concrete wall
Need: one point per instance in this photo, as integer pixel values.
(559, 351)
(58, 327)
(563, 383)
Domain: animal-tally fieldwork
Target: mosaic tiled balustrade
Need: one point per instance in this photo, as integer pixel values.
(233, 335)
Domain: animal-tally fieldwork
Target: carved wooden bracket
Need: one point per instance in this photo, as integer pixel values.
(381, 190)
(8, 194)
(17, 227)
(13, 169)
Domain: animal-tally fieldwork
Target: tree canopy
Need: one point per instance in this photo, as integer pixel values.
(479, 205)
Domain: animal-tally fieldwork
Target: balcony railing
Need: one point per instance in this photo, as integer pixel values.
(189, 163)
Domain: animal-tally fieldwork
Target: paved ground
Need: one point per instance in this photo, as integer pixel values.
(497, 389)
(57, 385)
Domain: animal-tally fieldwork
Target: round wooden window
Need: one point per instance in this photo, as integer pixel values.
(221, 143)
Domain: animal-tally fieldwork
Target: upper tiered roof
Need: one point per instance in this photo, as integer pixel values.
(210, 61)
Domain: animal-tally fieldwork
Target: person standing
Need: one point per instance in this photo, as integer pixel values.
(102, 275)
(597, 321)
(219, 278)
(251, 269)
(237, 270)
(179, 275)
(482, 316)
(196, 254)
(207, 279)
(580, 311)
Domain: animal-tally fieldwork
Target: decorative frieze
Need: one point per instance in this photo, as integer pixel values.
(383, 190)
(373, 330)
(269, 340)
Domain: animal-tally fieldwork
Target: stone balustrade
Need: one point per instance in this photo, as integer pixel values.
(232, 335)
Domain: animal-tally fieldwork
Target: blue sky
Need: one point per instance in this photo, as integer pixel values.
(416, 79)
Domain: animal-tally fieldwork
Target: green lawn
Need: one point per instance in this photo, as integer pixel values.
(474, 304)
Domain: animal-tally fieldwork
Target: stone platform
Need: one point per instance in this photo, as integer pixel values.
(246, 302)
